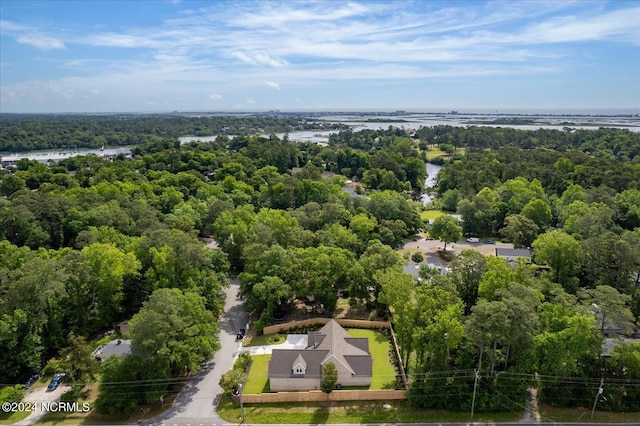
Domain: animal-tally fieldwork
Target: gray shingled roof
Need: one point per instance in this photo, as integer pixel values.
(331, 343)
(513, 252)
(283, 360)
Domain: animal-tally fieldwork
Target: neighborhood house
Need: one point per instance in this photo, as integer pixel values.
(301, 369)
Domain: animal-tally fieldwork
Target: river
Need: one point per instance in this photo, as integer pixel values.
(430, 183)
(359, 122)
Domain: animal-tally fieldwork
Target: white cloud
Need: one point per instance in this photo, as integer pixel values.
(41, 41)
(272, 84)
(259, 59)
(215, 96)
(13, 26)
(250, 102)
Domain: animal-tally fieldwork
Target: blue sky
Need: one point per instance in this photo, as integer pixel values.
(143, 56)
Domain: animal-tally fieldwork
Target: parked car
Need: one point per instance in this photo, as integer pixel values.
(489, 242)
(240, 334)
(55, 381)
(31, 380)
(473, 240)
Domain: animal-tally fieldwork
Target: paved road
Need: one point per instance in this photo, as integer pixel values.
(196, 404)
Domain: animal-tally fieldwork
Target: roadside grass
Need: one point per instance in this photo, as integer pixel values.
(14, 417)
(265, 339)
(349, 412)
(384, 373)
(258, 377)
(550, 414)
(94, 418)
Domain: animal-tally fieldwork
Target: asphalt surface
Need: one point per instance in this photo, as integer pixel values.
(196, 404)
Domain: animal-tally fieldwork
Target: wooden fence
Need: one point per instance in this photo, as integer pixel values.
(314, 396)
(282, 328)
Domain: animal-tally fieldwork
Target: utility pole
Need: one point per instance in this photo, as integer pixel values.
(241, 407)
(600, 390)
(475, 386)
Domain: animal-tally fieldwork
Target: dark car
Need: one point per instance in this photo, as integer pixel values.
(240, 334)
(489, 242)
(55, 382)
(31, 381)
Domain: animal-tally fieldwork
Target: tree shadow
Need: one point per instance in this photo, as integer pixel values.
(320, 416)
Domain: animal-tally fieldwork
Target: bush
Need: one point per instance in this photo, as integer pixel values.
(12, 393)
(417, 257)
(242, 362)
(53, 366)
(74, 394)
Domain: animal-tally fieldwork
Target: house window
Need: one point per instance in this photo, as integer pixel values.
(298, 369)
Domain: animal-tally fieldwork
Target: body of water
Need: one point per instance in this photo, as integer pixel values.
(430, 182)
(358, 122)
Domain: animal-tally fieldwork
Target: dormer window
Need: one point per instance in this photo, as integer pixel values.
(299, 366)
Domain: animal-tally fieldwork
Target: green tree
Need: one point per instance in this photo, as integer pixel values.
(131, 382)
(498, 275)
(329, 378)
(446, 228)
(231, 380)
(539, 212)
(561, 252)
(175, 326)
(398, 292)
(438, 328)
(77, 358)
(520, 230)
(466, 271)
(20, 347)
(488, 326)
(610, 307)
(377, 257)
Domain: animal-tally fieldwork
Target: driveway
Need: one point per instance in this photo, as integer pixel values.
(196, 404)
(294, 341)
(38, 396)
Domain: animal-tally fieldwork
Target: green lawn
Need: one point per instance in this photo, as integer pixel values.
(431, 214)
(258, 378)
(384, 373)
(265, 339)
(349, 412)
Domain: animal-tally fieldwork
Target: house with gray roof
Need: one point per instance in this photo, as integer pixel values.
(301, 369)
(512, 255)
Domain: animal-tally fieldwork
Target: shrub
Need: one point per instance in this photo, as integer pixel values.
(12, 393)
(53, 366)
(417, 257)
(242, 362)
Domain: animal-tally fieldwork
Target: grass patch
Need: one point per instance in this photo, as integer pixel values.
(434, 152)
(431, 214)
(583, 415)
(11, 418)
(265, 339)
(258, 377)
(384, 373)
(349, 412)
(93, 417)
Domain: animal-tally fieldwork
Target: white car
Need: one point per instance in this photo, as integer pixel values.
(473, 240)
